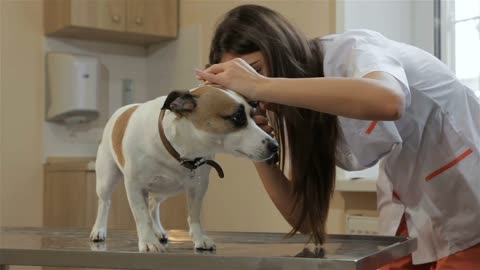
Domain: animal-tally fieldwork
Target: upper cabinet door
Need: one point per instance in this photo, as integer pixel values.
(142, 22)
(152, 17)
(99, 14)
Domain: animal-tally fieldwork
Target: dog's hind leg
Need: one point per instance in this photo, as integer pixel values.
(108, 175)
(154, 201)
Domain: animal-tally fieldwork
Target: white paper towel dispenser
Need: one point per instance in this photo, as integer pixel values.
(72, 85)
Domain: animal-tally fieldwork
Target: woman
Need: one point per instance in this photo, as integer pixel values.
(350, 100)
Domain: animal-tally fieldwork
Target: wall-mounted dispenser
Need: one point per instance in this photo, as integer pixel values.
(72, 85)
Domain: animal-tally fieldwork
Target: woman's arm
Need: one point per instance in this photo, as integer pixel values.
(377, 96)
(279, 188)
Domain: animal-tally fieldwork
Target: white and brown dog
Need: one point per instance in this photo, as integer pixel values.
(165, 146)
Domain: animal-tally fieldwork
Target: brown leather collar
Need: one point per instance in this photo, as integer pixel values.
(190, 164)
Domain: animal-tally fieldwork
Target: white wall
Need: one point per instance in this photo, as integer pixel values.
(170, 65)
(21, 97)
(392, 18)
(409, 21)
(118, 62)
(422, 25)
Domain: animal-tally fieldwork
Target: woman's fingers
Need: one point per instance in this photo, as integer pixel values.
(215, 69)
(204, 76)
(268, 130)
(267, 106)
(263, 106)
(260, 120)
(235, 74)
(212, 75)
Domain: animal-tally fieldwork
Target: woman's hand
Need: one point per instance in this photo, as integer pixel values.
(262, 122)
(261, 119)
(236, 75)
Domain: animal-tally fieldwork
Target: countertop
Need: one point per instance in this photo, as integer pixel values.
(71, 248)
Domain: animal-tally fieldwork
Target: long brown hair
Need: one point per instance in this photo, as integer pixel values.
(310, 136)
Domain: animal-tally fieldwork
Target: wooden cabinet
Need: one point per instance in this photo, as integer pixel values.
(151, 17)
(98, 14)
(70, 199)
(128, 21)
(64, 201)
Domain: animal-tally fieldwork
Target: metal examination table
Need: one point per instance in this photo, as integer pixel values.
(71, 248)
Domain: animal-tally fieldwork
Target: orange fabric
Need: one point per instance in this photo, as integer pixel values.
(395, 196)
(449, 165)
(405, 263)
(371, 127)
(468, 259)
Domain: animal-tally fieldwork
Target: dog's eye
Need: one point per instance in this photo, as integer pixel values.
(253, 103)
(239, 118)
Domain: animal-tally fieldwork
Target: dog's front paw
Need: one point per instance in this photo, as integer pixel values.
(150, 245)
(162, 237)
(161, 234)
(98, 246)
(98, 235)
(205, 243)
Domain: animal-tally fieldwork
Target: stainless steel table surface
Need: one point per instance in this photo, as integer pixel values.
(70, 247)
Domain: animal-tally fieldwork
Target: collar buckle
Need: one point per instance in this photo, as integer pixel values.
(193, 164)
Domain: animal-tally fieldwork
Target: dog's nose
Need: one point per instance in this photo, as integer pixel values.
(272, 146)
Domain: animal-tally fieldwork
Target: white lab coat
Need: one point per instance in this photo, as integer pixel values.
(430, 162)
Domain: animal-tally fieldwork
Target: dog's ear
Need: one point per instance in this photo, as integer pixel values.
(180, 102)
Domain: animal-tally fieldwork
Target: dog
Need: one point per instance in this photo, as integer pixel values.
(165, 146)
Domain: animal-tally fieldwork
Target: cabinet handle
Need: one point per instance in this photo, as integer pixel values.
(116, 18)
(139, 21)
